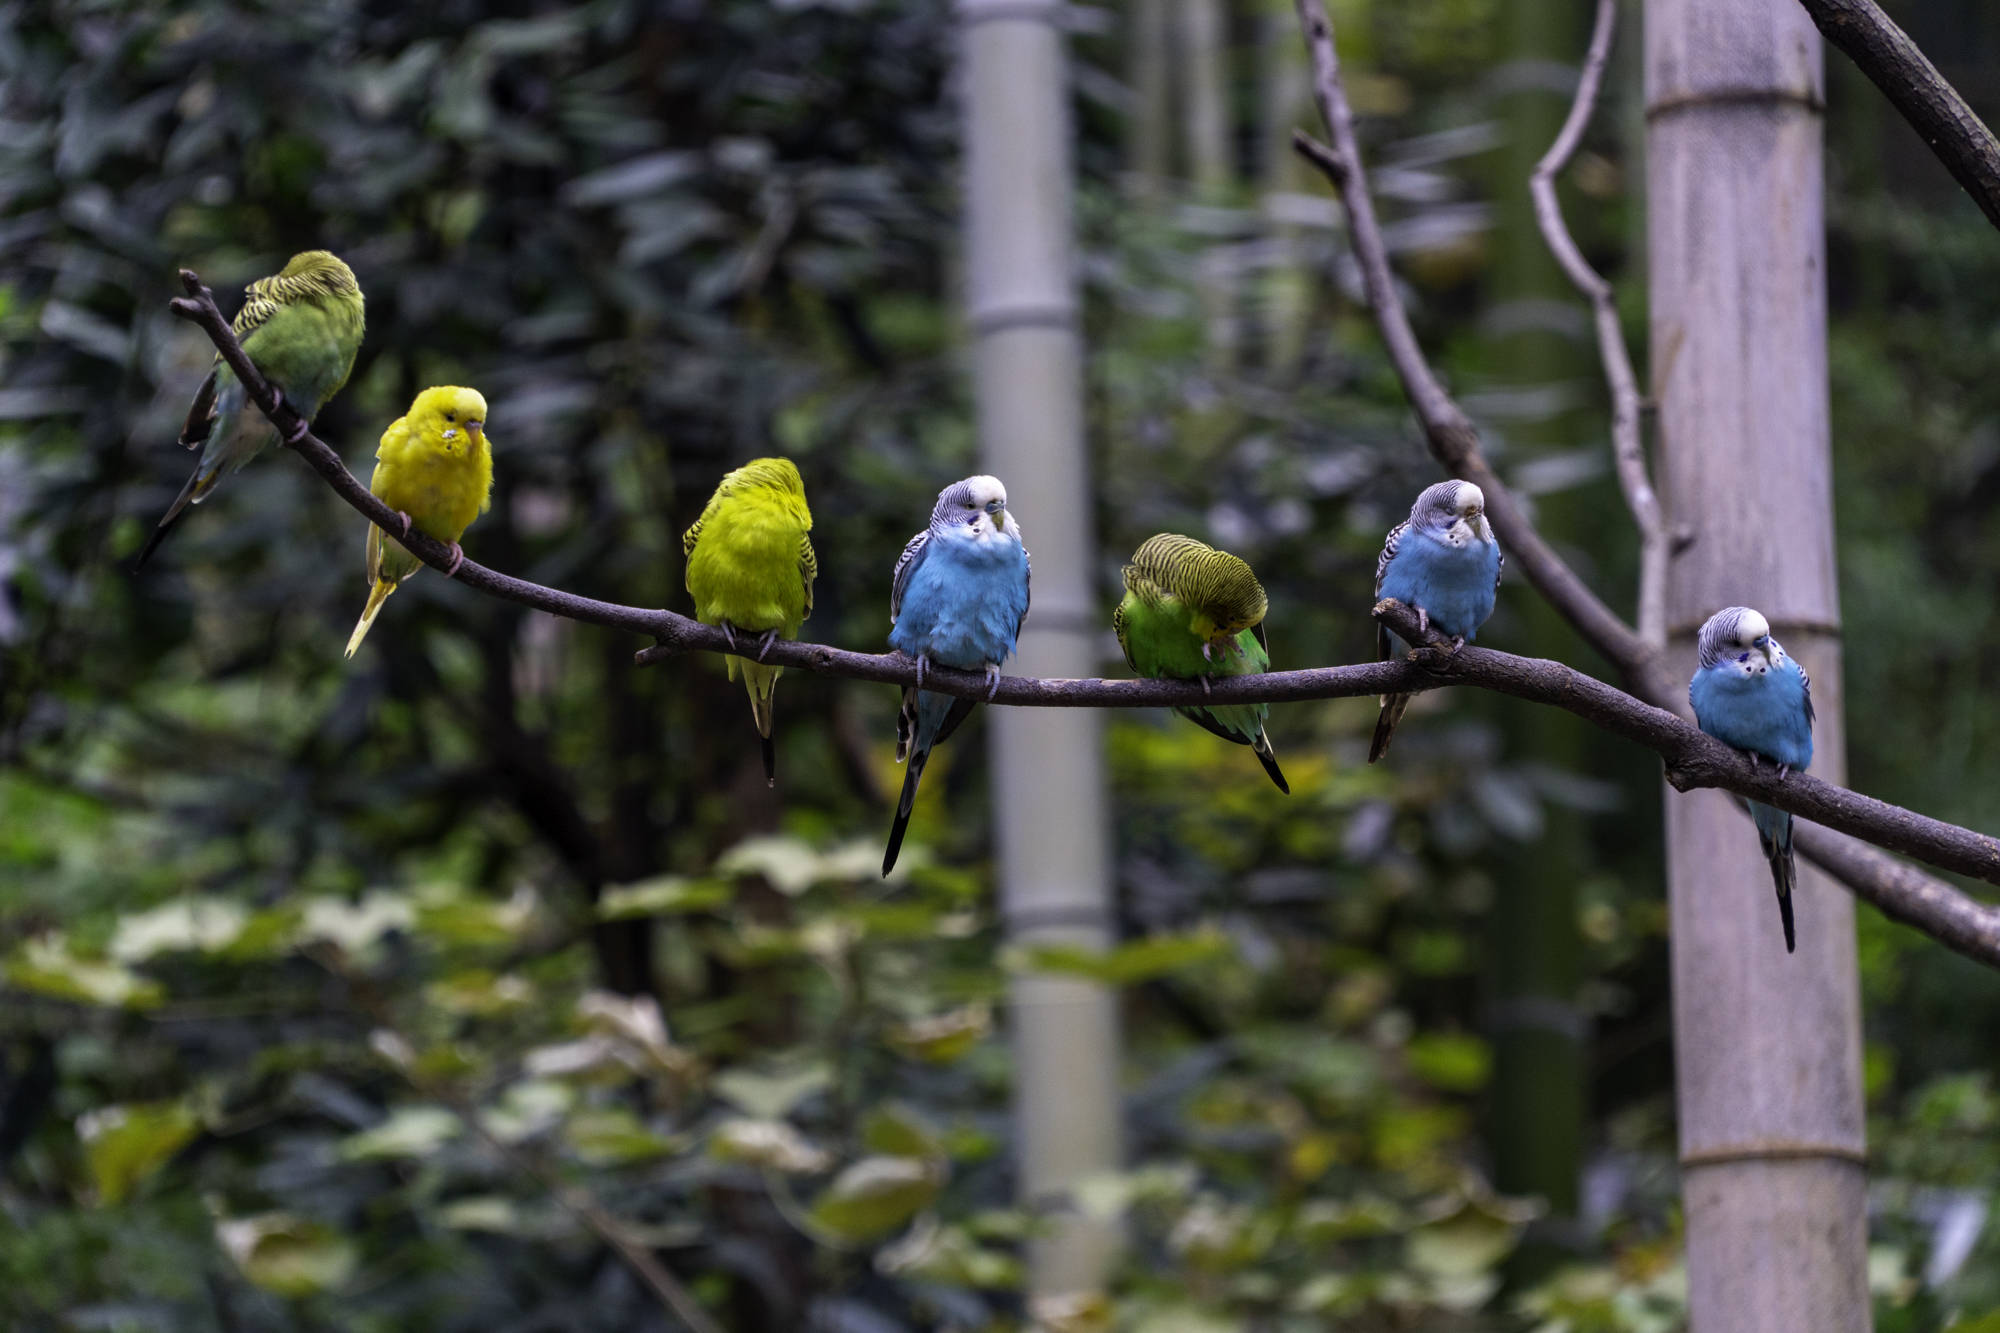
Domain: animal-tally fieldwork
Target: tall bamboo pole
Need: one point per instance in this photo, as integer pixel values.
(1048, 778)
(1767, 1045)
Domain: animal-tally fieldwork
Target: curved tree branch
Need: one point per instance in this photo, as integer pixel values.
(1692, 758)
(1901, 891)
(1885, 53)
(1627, 448)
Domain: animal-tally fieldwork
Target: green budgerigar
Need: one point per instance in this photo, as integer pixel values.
(301, 328)
(750, 566)
(1192, 612)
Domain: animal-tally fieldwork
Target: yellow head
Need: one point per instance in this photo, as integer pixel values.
(449, 417)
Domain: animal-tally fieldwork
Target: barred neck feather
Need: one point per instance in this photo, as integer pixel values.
(1215, 582)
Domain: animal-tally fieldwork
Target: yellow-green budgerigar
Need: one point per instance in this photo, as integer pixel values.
(435, 469)
(1192, 612)
(750, 567)
(301, 328)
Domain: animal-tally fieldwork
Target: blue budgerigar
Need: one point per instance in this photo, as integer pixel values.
(1444, 561)
(958, 600)
(1747, 692)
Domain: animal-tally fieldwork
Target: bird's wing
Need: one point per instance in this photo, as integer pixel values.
(692, 535)
(1262, 642)
(1027, 590)
(808, 568)
(1118, 628)
(201, 412)
(1805, 683)
(1499, 566)
(1389, 545)
(907, 564)
(374, 555)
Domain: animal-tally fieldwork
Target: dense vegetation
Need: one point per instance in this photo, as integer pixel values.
(273, 925)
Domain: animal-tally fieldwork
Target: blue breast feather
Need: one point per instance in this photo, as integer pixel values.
(1453, 584)
(964, 603)
(1764, 713)
(962, 608)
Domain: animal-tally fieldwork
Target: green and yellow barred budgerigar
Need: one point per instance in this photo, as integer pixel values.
(1192, 612)
(750, 566)
(301, 328)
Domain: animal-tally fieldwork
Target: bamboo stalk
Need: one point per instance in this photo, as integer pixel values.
(1767, 1046)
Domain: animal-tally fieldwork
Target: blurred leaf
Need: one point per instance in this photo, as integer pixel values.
(126, 1144)
(663, 895)
(46, 966)
(772, 1143)
(410, 1131)
(287, 1254)
(876, 1195)
(615, 1137)
(770, 1095)
(203, 925)
(1141, 960)
(1455, 1062)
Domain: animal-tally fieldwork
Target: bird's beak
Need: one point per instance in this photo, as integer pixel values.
(1770, 651)
(478, 429)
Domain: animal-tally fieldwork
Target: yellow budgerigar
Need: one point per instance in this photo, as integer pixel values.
(750, 566)
(435, 469)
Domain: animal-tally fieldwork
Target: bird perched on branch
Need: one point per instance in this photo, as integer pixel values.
(958, 600)
(1747, 692)
(301, 328)
(1443, 561)
(435, 469)
(750, 566)
(1192, 612)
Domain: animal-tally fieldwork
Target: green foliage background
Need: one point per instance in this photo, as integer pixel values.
(273, 925)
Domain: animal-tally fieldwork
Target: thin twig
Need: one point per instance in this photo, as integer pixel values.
(1885, 53)
(1901, 891)
(1692, 759)
(1627, 447)
(1453, 439)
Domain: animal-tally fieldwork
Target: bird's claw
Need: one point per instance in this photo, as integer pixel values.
(457, 559)
(764, 644)
(728, 633)
(1207, 651)
(1457, 642)
(992, 680)
(922, 662)
(1423, 621)
(406, 521)
(277, 405)
(1784, 771)
(1206, 692)
(1755, 765)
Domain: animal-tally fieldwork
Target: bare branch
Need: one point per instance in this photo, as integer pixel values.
(1692, 758)
(1885, 53)
(1902, 891)
(1627, 447)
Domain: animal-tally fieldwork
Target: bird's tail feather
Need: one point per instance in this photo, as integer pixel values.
(376, 596)
(762, 683)
(197, 489)
(1261, 747)
(1385, 724)
(906, 725)
(1784, 877)
(1774, 835)
(904, 804)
